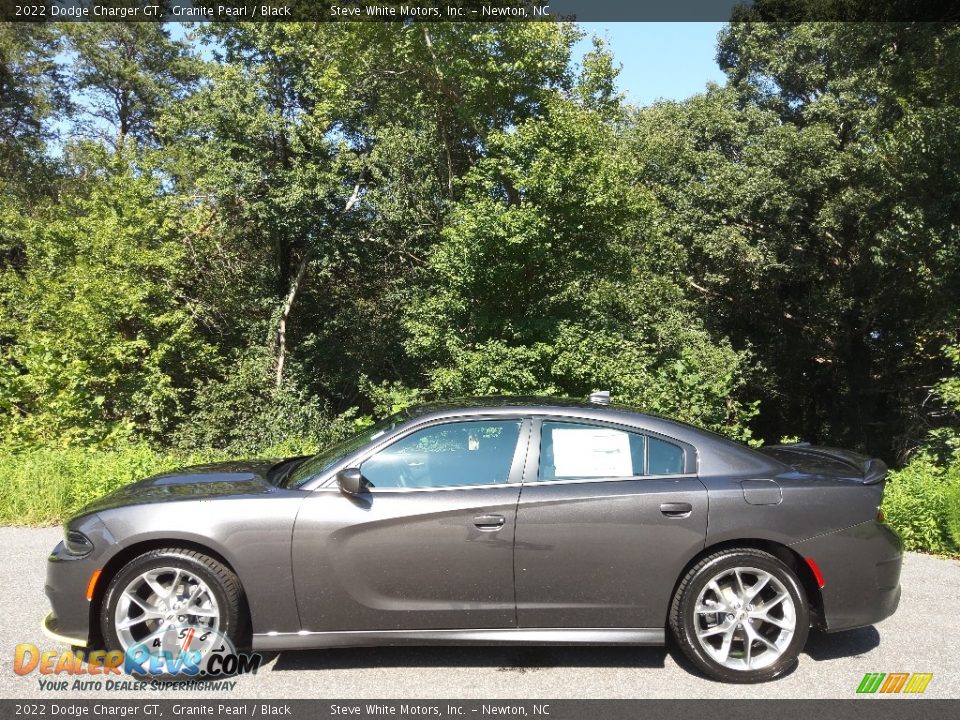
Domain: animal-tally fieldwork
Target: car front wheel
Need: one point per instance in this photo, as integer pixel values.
(169, 600)
(741, 615)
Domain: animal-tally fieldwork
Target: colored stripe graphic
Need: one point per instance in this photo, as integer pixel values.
(918, 682)
(870, 682)
(894, 683)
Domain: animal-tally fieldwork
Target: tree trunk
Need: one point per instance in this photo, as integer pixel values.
(440, 119)
(292, 295)
(285, 315)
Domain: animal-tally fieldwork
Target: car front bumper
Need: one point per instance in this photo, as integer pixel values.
(68, 581)
(50, 629)
(861, 570)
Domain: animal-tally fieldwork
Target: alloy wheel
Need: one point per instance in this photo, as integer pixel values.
(744, 618)
(167, 609)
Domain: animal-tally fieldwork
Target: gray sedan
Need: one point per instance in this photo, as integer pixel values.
(525, 521)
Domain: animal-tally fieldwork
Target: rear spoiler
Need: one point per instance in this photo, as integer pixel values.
(871, 471)
(874, 471)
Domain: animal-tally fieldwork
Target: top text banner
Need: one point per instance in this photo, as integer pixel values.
(474, 11)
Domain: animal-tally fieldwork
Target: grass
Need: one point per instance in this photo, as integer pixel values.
(44, 486)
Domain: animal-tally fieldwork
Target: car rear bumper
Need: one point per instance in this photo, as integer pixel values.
(861, 571)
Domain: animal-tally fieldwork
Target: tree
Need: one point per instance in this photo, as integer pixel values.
(342, 146)
(819, 190)
(30, 93)
(125, 74)
(101, 334)
(106, 341)
(552, 279)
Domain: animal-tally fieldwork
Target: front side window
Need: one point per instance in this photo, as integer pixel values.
(573, 451)
(452, 455)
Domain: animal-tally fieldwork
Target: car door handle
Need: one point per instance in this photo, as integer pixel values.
(489, 522)
(676, 509)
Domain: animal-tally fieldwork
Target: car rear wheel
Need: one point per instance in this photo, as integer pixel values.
(741, 615)
(171, 599)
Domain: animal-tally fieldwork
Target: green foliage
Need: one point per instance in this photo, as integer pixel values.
(31, 92)
(921, 504)
(44, 485)
(241, 413)
(816, 194)
(922, 501)
(953, 507)
(254, 250)
(949, 388)
(550, 279)
(107, 342)
(390, 397)
(944, 441)
(124, 74)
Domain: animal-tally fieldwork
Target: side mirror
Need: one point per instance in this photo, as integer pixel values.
(351, 481)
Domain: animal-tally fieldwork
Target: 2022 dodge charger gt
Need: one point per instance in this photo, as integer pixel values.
(525, 521)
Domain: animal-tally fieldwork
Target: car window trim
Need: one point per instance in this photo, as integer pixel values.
(401, 490)
(614, 479)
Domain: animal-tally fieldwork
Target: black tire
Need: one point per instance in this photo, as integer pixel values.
(223, 583)
(683, 617)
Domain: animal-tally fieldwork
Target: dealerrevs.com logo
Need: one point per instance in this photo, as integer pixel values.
(894, 683)
(188, 658)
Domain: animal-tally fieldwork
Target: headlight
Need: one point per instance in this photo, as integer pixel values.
(76, 543)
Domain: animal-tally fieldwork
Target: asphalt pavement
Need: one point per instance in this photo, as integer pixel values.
(921, 637)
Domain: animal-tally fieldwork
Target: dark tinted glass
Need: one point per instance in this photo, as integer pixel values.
(665, 458)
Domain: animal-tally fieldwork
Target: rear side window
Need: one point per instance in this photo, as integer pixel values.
(664, 458)
(570, 451)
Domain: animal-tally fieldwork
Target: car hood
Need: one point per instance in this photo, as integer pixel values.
(198, 482)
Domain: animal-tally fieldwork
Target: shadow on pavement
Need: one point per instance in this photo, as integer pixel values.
(505, 659)
(851, 643)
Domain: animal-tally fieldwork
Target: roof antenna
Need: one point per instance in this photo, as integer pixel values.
(600, 397)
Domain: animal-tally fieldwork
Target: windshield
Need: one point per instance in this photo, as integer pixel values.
(328, 457)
